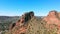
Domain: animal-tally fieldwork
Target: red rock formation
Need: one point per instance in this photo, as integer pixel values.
(21, 23)
(53, 18)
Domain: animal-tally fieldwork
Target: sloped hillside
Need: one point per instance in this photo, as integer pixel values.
(37, 26)
(5, 22)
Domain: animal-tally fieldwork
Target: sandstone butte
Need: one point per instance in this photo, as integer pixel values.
(29, 24)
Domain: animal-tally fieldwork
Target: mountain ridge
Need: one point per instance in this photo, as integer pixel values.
(29, 24)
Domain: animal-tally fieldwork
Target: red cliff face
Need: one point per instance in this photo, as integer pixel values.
(53, 18)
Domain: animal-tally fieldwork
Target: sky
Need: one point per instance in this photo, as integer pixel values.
(18, 7)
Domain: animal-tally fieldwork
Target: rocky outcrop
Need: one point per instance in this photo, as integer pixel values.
(53, 18)
(20, 26)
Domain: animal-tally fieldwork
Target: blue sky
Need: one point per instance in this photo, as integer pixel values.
(18, 7)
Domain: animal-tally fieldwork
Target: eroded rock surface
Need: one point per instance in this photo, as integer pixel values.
(53, 18)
